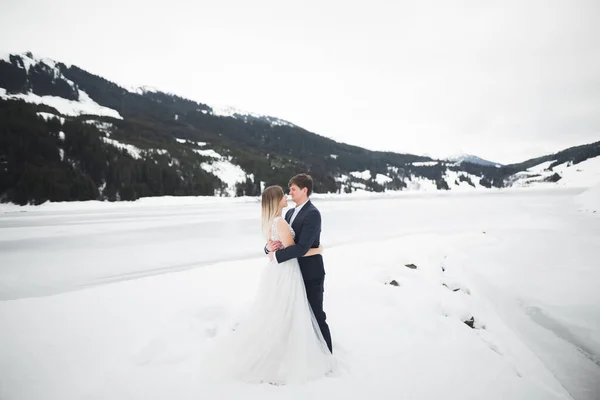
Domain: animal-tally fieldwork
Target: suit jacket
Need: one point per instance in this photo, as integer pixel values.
(307, 226)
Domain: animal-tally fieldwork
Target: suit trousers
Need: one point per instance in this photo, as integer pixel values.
(314, 292)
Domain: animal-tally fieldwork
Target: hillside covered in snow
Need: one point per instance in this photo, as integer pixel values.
(560, 171)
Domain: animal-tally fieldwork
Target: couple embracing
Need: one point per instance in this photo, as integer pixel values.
(285, 339)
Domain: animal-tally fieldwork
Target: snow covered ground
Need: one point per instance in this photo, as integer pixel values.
(121, 301)
(589, 199)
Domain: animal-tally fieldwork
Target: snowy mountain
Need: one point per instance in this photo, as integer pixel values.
(460, 158)
(68, 100)
(73, 135)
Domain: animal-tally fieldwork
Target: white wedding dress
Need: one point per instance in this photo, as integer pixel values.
(279, 341)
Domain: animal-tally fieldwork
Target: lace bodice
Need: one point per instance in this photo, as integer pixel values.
(274, 231)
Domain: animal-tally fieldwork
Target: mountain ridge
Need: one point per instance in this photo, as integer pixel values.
(155, 143)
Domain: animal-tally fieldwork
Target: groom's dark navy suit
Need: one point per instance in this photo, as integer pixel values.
(307, 226)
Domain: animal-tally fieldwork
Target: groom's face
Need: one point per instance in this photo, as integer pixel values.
(297, 194)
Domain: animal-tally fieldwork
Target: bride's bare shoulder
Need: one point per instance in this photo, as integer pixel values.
(282, 223)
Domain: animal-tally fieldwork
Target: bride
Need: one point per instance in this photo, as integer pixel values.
(279, 341)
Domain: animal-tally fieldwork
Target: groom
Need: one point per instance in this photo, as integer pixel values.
(305, 219)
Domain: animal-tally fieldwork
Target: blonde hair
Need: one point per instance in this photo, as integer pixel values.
(271, 197)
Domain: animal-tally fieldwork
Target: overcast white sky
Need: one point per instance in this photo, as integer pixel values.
(505, 80)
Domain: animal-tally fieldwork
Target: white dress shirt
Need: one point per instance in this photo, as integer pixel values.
(296, 211)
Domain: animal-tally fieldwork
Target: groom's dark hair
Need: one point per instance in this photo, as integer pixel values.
(302, 181)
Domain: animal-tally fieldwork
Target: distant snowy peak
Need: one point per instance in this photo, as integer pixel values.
(27, 60)
(228, 111)
(460, 158)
